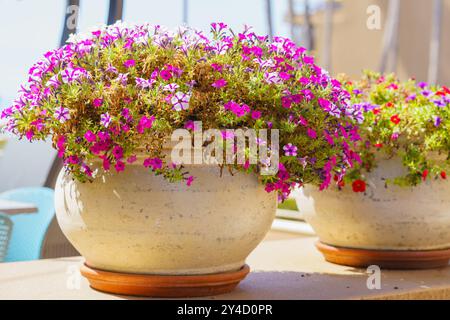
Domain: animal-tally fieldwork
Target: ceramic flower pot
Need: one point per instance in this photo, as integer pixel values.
(390, 226)
(137, 224)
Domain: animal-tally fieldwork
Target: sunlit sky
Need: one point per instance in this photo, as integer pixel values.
(28, 28)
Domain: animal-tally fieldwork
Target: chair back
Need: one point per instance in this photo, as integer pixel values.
(5, 234)
(29, 229)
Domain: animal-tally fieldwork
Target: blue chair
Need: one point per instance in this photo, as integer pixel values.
(5, 234)
(28, 231)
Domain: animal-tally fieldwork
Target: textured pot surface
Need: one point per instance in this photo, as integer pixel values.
(392, 218)
(137, 222)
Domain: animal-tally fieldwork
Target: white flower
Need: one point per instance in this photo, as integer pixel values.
(180, 101)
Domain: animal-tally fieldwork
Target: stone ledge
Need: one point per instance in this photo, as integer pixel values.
(290, 268)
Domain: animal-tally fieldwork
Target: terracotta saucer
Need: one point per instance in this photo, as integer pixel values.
(388, 259)
(163, 286)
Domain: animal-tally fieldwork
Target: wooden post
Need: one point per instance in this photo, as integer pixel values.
(185, 11)
(309, 43)
(390, 39)
(435, 42)
(269, 18)
(115, 11)
(328, 35)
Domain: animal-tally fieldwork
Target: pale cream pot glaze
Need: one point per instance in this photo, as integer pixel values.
(137, 222)
(387, 218)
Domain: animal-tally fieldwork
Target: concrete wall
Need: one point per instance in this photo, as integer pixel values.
(355, 47)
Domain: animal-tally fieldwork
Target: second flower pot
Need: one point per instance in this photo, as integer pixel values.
(393, 227)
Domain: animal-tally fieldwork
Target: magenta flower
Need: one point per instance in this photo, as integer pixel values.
(311, 133)
(71, 74)
(290, 150)
(62, 114)
(120, 166)
(219, 83)
(129, 63)
(117, 152)
(90, 136)
(145, 123)
(132, 159)
(165, 74)
(217, 67)
(180, 101)
(395, 136)
(284, 76)
(218, 26)
(189, 181)
(106, 164)
(329, 107)
(29, 134)
(286, 102)
(256, 114)
(105, 120)
(155, 163)
(126, 114)
(103, 136)
(97, 102)
(238, 110)
(190, 125)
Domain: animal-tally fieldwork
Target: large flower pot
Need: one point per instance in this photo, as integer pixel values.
(142, 235)
(391, 226)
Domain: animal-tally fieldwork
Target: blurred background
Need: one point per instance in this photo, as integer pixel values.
(346, 36)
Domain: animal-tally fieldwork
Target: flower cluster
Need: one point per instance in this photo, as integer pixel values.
(406, 119)
(121, 90)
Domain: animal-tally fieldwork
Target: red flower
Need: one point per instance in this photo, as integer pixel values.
(378, 145)
(425, 174)
(389, 104)
(395, 119)
(446, 90)
(443, 175)
(376, 111)
(359, 186)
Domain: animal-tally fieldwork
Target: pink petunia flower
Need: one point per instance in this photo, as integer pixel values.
(120, 166)
(145, 123)
(62, 114)
(90, 136)
(155, 163)
(180, 101)
(220, 83)
(190, 125)
(132, 159)
(256, 114)
(189, 181)
(171, 87)
(143, 84)
(129, 63)
(165, 75)
(105, 120)
(117, 152)
(290, 150)
(97, 102)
